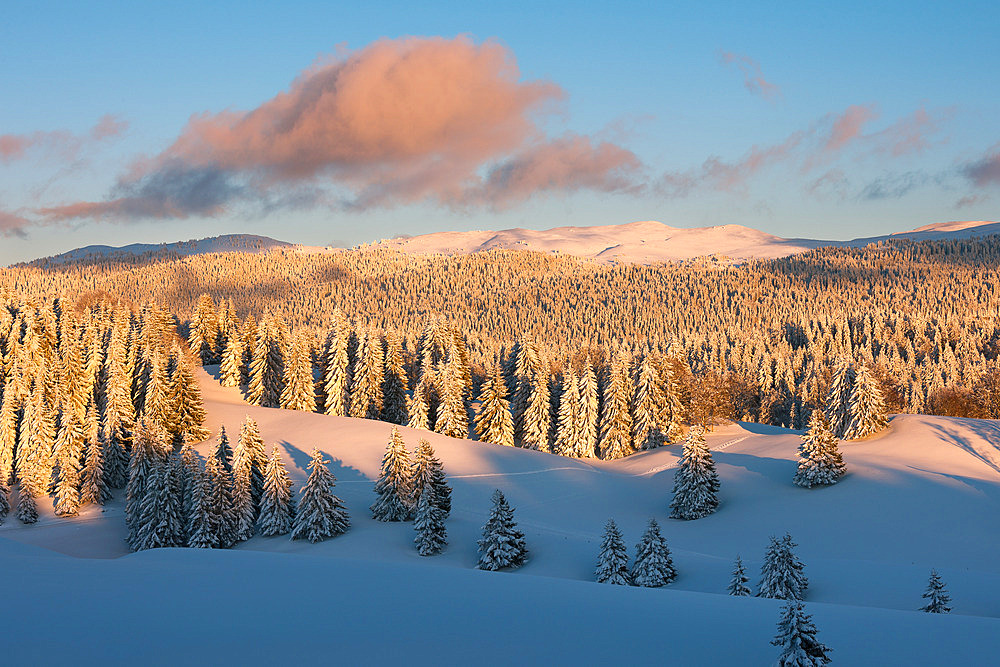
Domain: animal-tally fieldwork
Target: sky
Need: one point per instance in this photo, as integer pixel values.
(327, 124)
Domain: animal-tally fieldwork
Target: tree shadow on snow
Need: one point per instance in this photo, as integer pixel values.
(767, 429)
(772, 468)
(988, 431)
(343, 472)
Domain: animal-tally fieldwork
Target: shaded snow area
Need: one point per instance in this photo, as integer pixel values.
(925, 494)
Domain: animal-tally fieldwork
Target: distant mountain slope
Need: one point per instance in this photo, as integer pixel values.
(226, 243)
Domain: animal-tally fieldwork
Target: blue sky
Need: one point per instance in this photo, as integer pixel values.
(865, 118)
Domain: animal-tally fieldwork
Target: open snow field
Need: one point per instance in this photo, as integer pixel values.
(925, 494)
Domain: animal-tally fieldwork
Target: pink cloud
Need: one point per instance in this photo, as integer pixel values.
(12, 224)
(400, 121)
(986, 170)
(60, 143)
(848, 126)
(753, 78)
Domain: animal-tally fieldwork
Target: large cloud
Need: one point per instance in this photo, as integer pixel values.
(400, 121)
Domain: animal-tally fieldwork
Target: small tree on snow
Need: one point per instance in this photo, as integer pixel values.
(797, 639)
(612, 562)
(738, 584)
(502, 545)
(696, 484)
(429, 524)
(277, 507)
(4, 500)
(321, 514)
(936, 595)
(782, 574)
(394, 486)
(653, 566)
(820, 462)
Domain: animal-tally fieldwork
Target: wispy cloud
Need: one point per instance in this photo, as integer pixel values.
(985, 171)
(753, 78)
(894, 186)
(12, 224)
(61, 144)
(400, 121)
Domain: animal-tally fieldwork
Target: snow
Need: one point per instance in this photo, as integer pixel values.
(924, 494)
(226, 243)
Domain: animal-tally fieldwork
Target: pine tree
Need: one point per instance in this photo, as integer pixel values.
(738, 584)
(820, 462)
(95, 486)
(782, 574)
(145, 455)
(589, 411)
(418, 407)
(502, 545)
(277, 507)
(27, 510)
(202, 528)
(160, 521)
(452, 415)
(320, 513)
(429, 523)
(4, 500)
(242, 504)
(696, 483)
(250, 452)
(937, 597)
(231, 371)
(612, 562)
(394, 384)
(116, 460)
(8, 432)
(428, 471)
(204, 330)
(653, 566)
(394, 486)
(867, 410)
(185, 396)
(223, 451)
(366, 389)
(494, 423)
(220, 503)
(797, 639)
(537, 418)
(645, 407)
(299, 392)
(567, 425)
(335, 380)
(616, 420)
(838, 398)
(69, 451)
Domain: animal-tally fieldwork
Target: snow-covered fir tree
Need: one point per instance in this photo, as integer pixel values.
(418, 408)
(299, 392)
(243, 510)
(250, 452)
(938, 600)
(696, 483)
(537, 417)
(231, 371)
(867, 410)
(494, 422)
(69, 448)
(8, 432)
(366, 377)
(502, 545)
(646, 404)
(568, 416)
(335, 378)
(612, 562)
(202, 527)
(394, 487)
(219, 486)
(145, 453)
(838, 398)
(653, 566)
(428, 471)
(429, 523)
(820, 462)
(394, 383)
(4, 500)
(223, 451)
(277, 506)
(185, 401)
(616, 419)
(267, 364)
(95, 488)
(320, 513)
(452, 414)
(669, 408)
(589, 412)
(204, 330)
(161, 521)
(782, 575)
(738, 584)
(34, 460)
(797, 639)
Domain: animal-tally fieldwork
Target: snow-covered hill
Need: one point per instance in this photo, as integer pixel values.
(225, 243)
(925, 494)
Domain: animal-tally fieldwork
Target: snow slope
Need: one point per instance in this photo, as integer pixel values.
(924, 494)
(224, 243)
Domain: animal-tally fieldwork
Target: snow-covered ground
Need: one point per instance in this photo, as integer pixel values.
(925, 494)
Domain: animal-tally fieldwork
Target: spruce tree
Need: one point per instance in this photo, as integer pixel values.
(223, 451)
(867, 409)
(4, 500)
(250, 451)
(231, 371)
(502, 545)
(335, 380)
(537, 417)
(394, 383)
(95, 486)
(453, 415)
(277, 507)
(418, 408)
(202, 528)
(820, 462)
(429, 523)
(8, 432)
(616, 420)
(394, 486)
(589, 412)
(838, 398)
(27, 510)
(116, 459)
(428, 471)
(653, 565)
(188, 419)
(567, 425)
(242, 504)
(645, 407)
(70, 445)
(366, 388)
(320, 513)
(160, 521)
(494, 423)
(782, 574)
(738, 584)
(299, 392)
(696, 483)
(145, 454)
(797, 639)
(937, 597)
(220, 503)
(612, 562)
